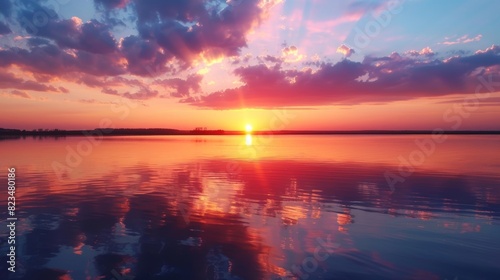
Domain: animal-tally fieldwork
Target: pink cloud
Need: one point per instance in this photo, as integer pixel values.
(376, 79)
(462, 40)
(326, 26)
(21, 94)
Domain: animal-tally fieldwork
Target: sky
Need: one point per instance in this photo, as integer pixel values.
(274, 64)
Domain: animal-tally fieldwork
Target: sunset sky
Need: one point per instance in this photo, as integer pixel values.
(310, 64)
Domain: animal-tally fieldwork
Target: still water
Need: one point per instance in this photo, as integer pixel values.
(254, 207)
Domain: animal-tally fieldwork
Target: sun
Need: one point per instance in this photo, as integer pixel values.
(248, 128)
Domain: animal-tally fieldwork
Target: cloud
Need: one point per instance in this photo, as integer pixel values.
(376, 79)
(292, 50)
(462, 40)
(63, 90)
(4, 29)
(145, 57)
(345, 50)
(110, 4)
(52, 60)
(427, 51)
(190, 30)
(182, 88)
(21, 94)
(9, 81)
(144, 90)
(176, 87)
(291, 54)
(37, 41)
(92, 36)
(492, 49)
(142, 94)
(170, 36)
(272, 59)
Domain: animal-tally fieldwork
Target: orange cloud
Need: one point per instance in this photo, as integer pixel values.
(345, 50)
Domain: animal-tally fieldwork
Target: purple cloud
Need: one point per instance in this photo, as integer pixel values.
(50, 59)
(9, 81)
(182, 88)
(21, 94)
(4, 29)
(375, 79)
(171, 35)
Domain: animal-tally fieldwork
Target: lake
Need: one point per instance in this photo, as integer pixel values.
(254, 207)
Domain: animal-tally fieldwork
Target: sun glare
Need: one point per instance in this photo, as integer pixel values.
(248, 128)
(248, 139)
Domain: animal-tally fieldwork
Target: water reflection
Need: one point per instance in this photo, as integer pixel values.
(248, 139)
(195, 218)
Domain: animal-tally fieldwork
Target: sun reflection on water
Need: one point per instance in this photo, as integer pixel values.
(248, 140)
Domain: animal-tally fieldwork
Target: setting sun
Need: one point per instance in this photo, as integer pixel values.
(248, 128)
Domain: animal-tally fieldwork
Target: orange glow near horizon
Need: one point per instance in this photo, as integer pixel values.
(19, 113)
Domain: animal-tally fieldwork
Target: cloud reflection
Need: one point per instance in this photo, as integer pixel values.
(256, 224)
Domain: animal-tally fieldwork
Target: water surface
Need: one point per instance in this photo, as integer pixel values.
(256, 207)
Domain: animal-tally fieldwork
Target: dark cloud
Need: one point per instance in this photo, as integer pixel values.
(375, 79)
(96, 38)
(50, 59)
(145, 57)
(110, 91)
(142, 94)
(21, 94)
(4, 29)
(92, 36)
(37, 41)
(183, 88)
(171, 35)
(9, 81)
(177, 87)
(63, 90)
(90, 80)
(245, 59)
(188, 29)
(272, 59)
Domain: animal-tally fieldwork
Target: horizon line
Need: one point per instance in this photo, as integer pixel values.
(172, 131)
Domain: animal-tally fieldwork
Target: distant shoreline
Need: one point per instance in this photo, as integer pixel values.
(17, 133)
